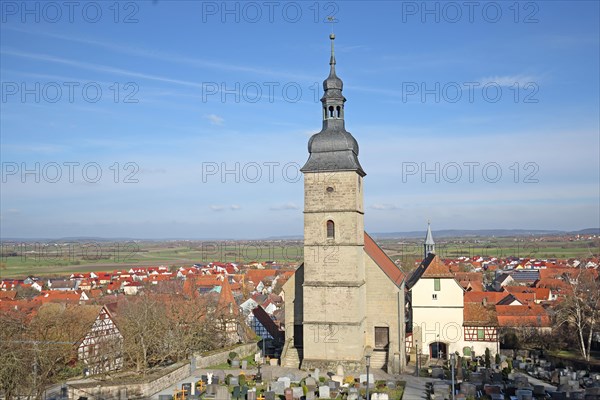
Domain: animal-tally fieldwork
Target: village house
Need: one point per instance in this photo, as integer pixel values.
(101, 349)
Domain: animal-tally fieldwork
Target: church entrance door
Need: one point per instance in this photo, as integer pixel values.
(437, 350)
(382, 337)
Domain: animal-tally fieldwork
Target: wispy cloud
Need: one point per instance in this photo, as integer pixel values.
(286, 206)
(387, 207)
(214, 119)
(219, 208)
(98, 67)
(171, 57)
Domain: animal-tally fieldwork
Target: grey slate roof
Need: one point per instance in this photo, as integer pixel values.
(333, 148)
(429, 237)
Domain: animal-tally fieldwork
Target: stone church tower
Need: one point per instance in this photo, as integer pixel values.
(347, 299)
(334, 270)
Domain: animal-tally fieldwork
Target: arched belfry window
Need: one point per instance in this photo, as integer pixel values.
(330, 229)
(331, 109)
(338, 111)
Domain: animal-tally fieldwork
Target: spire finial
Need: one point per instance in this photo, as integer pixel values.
(332, 21)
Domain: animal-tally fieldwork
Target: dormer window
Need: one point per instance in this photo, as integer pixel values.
(330, 230)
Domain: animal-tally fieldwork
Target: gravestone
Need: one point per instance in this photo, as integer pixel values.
(187, 387)
(244, 364)
(352, 394)
(222, 393)
(216, 380)
(324, 392)
(310, 395)
(211, 389)
(317, 373)
(539, 390)
(286, 381)
(297, 392)
(339, 370)
(235, 363)
(363, 378)
(278, 387)
(251, 395)
(437, 373)
(234, 381)
(523, 394)
(577, 395)
(468, 388)
(310, 382)
(333, 385)
(237, 393)
(497, 377)
(204, 378)
(491, 389)
(269, 395)
(391, 385)
(497, 396)
(558, 395)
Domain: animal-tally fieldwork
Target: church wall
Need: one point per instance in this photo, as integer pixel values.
(382, 306)
(334, 304)
(323, 342)
(333, 263)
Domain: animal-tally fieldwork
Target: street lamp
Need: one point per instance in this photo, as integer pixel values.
(368, 363)
(452, 365)
(417, 360)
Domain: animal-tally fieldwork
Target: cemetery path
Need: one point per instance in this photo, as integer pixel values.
(536, 381)
(415, 388)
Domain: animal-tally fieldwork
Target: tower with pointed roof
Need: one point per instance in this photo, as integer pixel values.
(347, 299)
(429, 245)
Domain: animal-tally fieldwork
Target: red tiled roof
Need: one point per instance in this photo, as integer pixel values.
(478, 297)
(257, 275)
(383, 261)
(476, 314)
(437, 269)
(531, 315)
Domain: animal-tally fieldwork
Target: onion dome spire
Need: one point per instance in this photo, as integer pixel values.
(334, 148)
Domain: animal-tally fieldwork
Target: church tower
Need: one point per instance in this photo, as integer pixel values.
(429, 245)
(334, 299)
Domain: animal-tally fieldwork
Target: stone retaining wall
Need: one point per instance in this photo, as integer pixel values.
(93, 389)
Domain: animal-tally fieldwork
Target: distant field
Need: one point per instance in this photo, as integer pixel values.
(22, 259)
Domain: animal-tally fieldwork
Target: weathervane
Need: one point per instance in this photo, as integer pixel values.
(331, 20)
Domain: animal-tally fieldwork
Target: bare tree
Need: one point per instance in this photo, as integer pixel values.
(14, 360)
(580, 307)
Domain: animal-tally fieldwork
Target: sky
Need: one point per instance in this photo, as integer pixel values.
(167, 119)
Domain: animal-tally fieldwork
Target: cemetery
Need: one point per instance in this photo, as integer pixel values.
(276, 383)
(524, 375)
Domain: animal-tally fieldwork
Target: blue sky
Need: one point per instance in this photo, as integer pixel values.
(500, 103)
